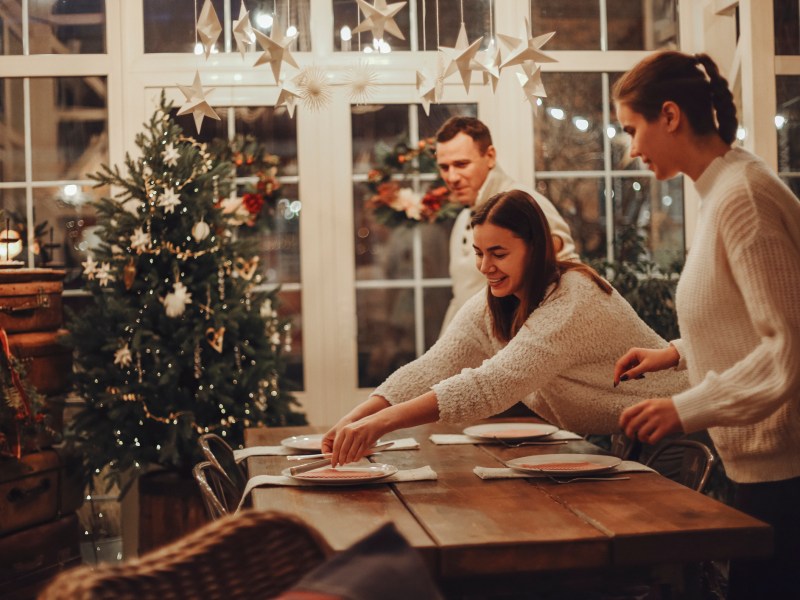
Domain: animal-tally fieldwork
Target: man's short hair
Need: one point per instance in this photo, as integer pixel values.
(474, 128)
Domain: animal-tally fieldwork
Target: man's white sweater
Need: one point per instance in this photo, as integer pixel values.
(738, 303)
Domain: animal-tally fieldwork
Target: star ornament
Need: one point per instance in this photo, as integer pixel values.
(288, 96)
(461, 57)
(379, 17)
(122, 356)
(276, 50)
(426, 88)
(531, 81)
(488, 62)
(525, 48)
(196, 102)
(89, 267)
(208, 27)
(243, 31)
(169, 200)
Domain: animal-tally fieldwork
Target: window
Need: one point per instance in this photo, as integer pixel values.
(53, 27)
(787, 121)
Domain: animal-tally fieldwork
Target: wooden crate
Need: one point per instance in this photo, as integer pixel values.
(49, 363)
(30, 299)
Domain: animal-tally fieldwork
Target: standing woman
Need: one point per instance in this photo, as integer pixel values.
(738, 304)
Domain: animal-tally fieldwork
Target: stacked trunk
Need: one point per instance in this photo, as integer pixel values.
(39, 531)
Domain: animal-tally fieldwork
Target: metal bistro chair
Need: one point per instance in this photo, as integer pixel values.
(696, 462)
(219, 453)
(256, 554)
(220, 495)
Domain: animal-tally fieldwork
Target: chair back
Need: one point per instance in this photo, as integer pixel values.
(622, 446)
(219, 494)
(218, 452)
(694, 460)
(255, 554)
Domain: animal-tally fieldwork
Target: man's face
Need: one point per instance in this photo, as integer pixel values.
(463, 167)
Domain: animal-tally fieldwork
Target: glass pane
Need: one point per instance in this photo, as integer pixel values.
(656, 208)
(275, 129)
(67, 26)
(435, 302)
(787, 120)
(69, 126)
(382, 252)
(619, 140)
(576, 23)
(11, 28)
(385, 333)
(64, 223)
(647, 25)
(787, 26)
(291, 307)
(210, 129)
(12, 203)
(476, 21)
(12, 130)
(429, 124)
(582, 204)
(436, 249)
(376, 131)
(568, 124)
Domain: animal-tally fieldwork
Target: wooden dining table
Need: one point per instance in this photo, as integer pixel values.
(509, 534)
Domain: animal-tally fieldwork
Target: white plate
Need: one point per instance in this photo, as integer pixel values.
(352, 474)
(510, 431)
(564, 464)
(312, 442)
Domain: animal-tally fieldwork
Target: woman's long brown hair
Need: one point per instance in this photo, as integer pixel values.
(518, 212)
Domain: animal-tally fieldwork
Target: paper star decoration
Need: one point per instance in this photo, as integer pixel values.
(525, 48)
(531, 81)
(243, 31)
(426, 88)
(315, 90)
(103, 274)
(140, 239)
(171, 155)
(288, 96)
(461, 56)
(276, 50)
(380, 17)
(169, 200)
(89, 267)
(208, 27)
(196, 102)
(488, 62)
(176, 301)
(361, 79)
(123, 357)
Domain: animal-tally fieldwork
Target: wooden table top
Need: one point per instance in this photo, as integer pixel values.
(468, 527)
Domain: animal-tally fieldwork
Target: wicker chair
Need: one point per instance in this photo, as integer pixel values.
(218, 452)
(696, 462)
(253, 555)
(220, 495)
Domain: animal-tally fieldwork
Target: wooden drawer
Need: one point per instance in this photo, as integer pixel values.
(30, 299)
(49, 363)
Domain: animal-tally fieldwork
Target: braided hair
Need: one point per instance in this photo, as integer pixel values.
(693, 82)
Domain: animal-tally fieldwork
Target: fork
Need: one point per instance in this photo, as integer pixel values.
(532, 443)
(572, 479)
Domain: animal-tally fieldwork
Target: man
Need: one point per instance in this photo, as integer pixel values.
(467, 163)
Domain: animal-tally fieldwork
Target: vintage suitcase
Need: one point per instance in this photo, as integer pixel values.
(29, 559)
(30, 299)
(49, 363)
(38, 488)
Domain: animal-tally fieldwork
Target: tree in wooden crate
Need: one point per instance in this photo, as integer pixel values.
(178, 340)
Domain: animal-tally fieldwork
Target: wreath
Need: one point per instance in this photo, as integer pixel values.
(393, 203)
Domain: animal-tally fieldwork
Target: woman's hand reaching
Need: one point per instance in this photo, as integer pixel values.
(638, 361)
(651, 420)
(353, 441)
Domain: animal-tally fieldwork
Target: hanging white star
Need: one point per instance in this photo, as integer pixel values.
(122, 356)
(315, 90)
(426, 89)
(461, 56)
(243, 31)
(276, 49)
(140, 239)
(169, 200)
(380, 17)
(208, 27)
(488, 62)
(171, 155)
(89, 267)
(103, 274)
(531, 81)
(525, 48)
(361, 79)
(196, 102)
(288, 96)
(176, 301)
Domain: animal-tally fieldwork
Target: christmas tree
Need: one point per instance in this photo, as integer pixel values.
(178, 341)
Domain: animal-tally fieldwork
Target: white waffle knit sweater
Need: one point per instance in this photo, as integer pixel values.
(560, 364)
(738, 303)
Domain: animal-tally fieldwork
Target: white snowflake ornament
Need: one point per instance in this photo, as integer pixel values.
(140, 239)
(175, 302)
(104, 275)
(89, 267)
(169, 200)
(171, 155)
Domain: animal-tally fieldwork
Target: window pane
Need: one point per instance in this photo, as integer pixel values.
(275, 129)
(12, 130)
(435, 248)
(11, 28)
(476, 21)
(576, 23)
(787, 121)
(291, 307)
(435, 302)
(210, 129)
(69, 127)
(376, 130)
(385, 333)
(787, 26)
(647, 25)
(67, 26)
(656, 208)
(568, 125)
(12, 202)
(582, 204)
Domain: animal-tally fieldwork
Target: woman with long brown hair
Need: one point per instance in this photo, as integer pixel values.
(545, 332)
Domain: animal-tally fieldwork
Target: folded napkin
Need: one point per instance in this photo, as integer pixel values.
(459, 438)
(401, 444)
(419, 474)
(626, 466)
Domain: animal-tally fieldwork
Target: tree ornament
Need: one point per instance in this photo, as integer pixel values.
(243, 31)
(208, 28)
(461, 57)
(123, 356)
(196, 102)
(315, 90)
(245, 268)
(129, 274)
(89, 267)
(175, 302)
(104, 275)
(276, 49)
(200, 231)
(214, 338)
(380, 17)
(140, 239)
(171, 155)
(169, 200)
(525, 48)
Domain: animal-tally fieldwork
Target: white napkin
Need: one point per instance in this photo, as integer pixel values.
(401, 444)
(459, 438)
(626, 466)
(419, 474)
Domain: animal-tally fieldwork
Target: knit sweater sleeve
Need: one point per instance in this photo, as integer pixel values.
(465, 343)
(540, 351)
(765, 265)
